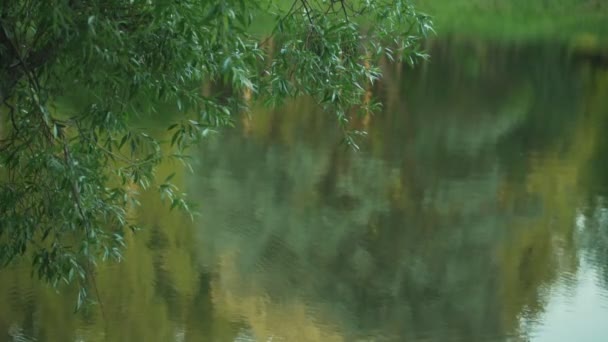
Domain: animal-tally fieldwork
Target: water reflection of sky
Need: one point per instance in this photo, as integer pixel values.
(577, 308)
(578, 314)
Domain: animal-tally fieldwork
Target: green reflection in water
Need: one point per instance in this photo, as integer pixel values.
(460, 220)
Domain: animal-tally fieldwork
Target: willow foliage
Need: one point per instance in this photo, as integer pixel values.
(77, 76)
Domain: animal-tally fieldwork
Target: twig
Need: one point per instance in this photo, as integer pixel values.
(292, 9)
(344, 9)
(307, 9)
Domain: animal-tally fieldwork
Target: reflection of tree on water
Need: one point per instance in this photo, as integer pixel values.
(371, 265)
(593, 233)
(435, 235)
(593, 238)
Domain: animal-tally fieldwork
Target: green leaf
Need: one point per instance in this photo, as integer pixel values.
(169, 177)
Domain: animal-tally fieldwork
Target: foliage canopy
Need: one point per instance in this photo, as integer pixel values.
(77, 78)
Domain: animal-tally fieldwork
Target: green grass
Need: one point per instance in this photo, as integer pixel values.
(578, 22)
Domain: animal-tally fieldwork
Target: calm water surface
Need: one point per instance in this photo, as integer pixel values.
(477, 210)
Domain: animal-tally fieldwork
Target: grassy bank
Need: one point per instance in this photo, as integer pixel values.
(578, 22)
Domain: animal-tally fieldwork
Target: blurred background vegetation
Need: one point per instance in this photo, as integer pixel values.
(579, 22)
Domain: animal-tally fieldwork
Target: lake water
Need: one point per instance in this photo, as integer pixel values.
(476, 210)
